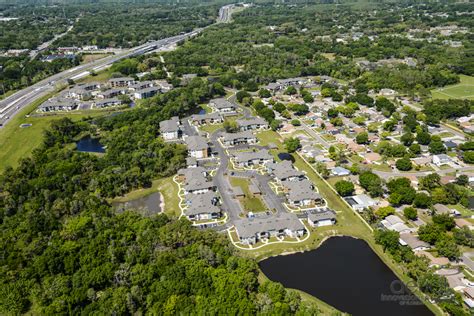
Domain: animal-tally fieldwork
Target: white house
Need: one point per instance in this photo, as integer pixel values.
(442, 159)
(170, 129)
(323, 218)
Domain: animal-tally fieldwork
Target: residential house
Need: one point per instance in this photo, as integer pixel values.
(395, 223)
(146, 93)
(340, 172)
(232, 139)
(141, 85)
(442, 209)
(441, 159)
(110, 93)
(253, 123)
(202, 206)
(360, 202)
(121, 82)
(208, 118)
(252, 230)
(57, 104)
(222, 105)
(325, 217)
(170, 129)
(407, 239)
(107, 102)
(301, 193)
(284, 171)
(187, 174)
(252, 158)
(197, 147)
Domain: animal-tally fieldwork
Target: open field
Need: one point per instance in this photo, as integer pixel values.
(18, 142)
(250, 203)
(462, 90)
(87, 58)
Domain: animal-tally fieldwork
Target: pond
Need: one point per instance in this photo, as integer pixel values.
(91, 145)
(150, 203)
(286, 156)
(345, 273)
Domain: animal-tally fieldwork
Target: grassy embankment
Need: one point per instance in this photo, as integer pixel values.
(462, 90)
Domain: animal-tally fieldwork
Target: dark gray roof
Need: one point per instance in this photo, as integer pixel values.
(200, 204)
(221, 103)
(284, 170)
(301, 190)
(196, 143)
(170, 126)
(207, 116)
(251, 121)
(121, 79)
(244, 156)
(239, 135)
(321, 216)
(249, 227)
(107, 101)
(254, 189)
(198, 184)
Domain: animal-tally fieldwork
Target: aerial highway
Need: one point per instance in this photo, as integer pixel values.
(15, 102)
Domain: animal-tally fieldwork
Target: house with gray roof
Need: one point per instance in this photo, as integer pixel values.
(325, 217)
(284, 171)
(252, 158)
(340, 172)
(202, 206)
(78, 93)
(208, 118)
(141, 85)
(232, 139)
(395, 223)
(170, 129)
(360, 202)
(146, 93)
(110, 93)
(222, 105)
(198, 186)
(58, 104)
(407, 239)
(253, 123)
(252, 230)
(301, 193)
(104, 103)
(197, 147)
(121, 82)
(189, 173)
(442, 209)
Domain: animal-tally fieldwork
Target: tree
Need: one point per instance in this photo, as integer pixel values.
(462, 180)
(362, 138)
(332, 112)
(241, 95)
(389, 239)
(383, 212)
(231, 126)
(404, 164)
(430, 233)
(422, 200)
(444, 221)
(371, 183)
(279, 107)
(308, 98)
(344, 188)
(410, 213)
(464, 236)
(291, 90)
(430, 181)
(437, 147)
(407, 139)
(298, 109)
(322, 169)
(275, 125)
(468, 157)
(295, 122)
(415, 149)
(292, 144)
(423, 138)
(447, 247)
(264, 93)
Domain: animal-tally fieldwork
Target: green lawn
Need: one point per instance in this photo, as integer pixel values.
(250, 203)
(211, 128)
(462, 90)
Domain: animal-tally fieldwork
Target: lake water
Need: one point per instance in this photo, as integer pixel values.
(91, 145)
(149, 203)
(345, 273)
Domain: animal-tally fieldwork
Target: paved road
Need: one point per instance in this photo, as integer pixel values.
(315, 135)
(389, 174)
(231, 206)
(14, 103)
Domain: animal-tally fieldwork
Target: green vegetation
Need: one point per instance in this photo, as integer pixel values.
(250, 202)
(463, 90)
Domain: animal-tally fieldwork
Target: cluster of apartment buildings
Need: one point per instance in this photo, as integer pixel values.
(103, 95)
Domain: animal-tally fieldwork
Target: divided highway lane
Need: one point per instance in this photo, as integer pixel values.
(11, 105)
(14, 103)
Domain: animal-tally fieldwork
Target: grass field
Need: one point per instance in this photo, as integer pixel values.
(250, 203)
(462, 90)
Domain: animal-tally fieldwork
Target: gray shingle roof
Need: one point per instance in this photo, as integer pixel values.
(240, 135)
(251, 121)
(196, 143)
(169, 126)
(284, 170)
(301, 190)
(249, 227)
(245, 156)
(201, 204)
(321, 216)
(221, 103)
